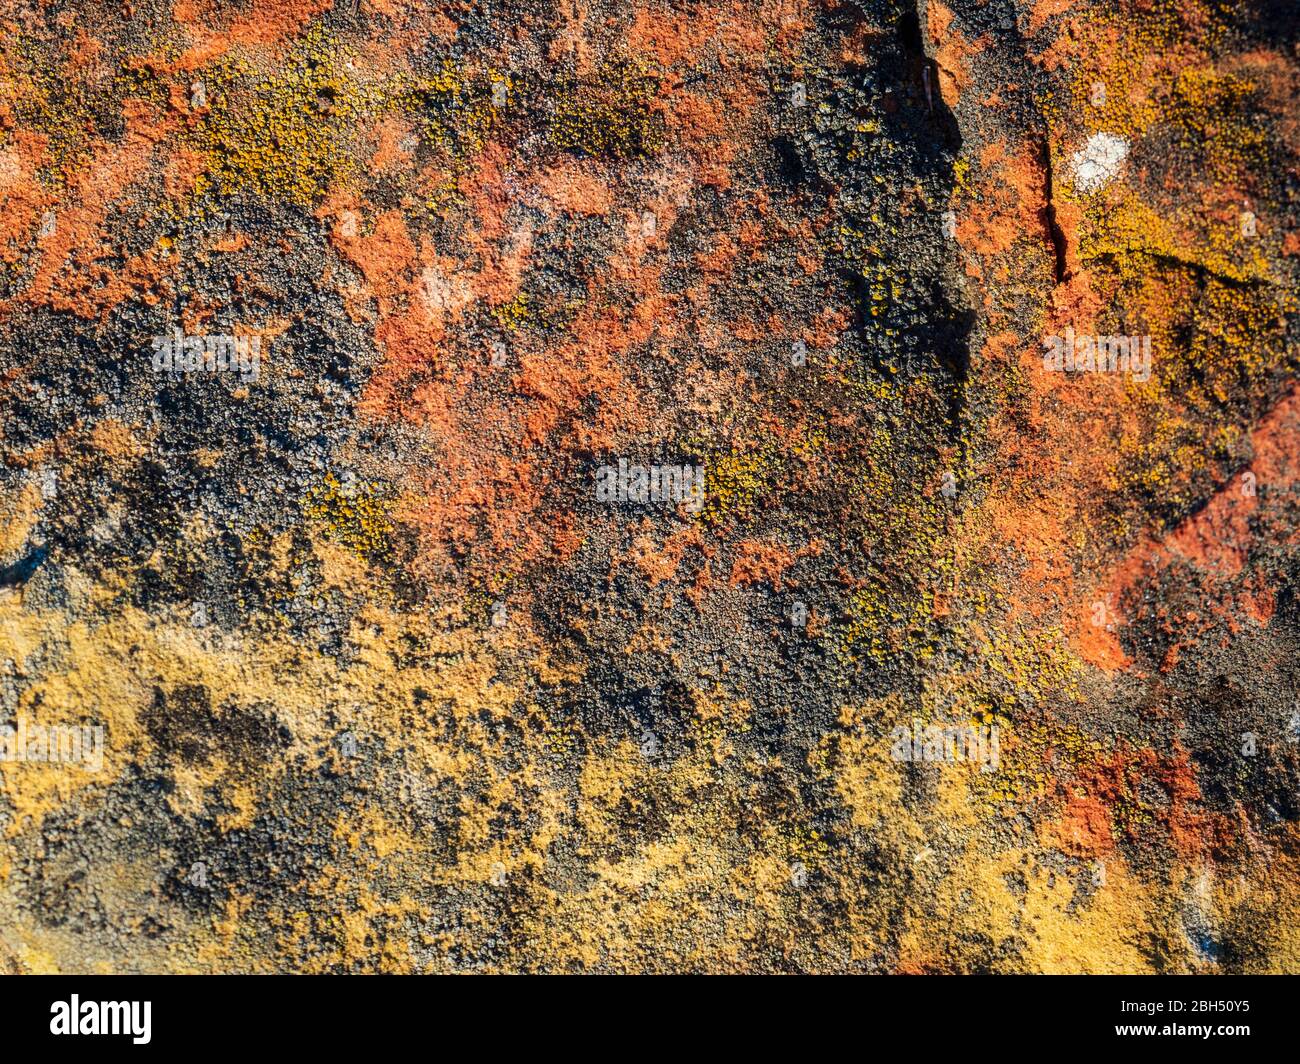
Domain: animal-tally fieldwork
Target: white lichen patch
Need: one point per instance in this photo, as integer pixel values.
(1099, 161)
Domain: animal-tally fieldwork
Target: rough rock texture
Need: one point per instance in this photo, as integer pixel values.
(384, 681)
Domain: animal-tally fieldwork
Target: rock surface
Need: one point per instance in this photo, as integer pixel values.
(799, 485)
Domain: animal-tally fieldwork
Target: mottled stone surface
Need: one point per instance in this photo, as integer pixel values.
(961, 342)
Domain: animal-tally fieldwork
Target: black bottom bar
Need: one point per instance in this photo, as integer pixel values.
(1035, 1014)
